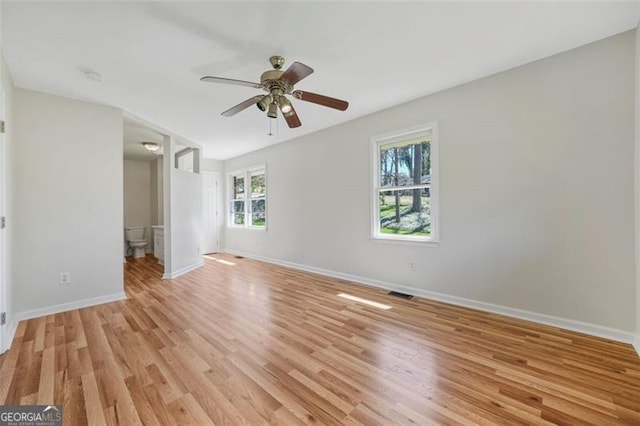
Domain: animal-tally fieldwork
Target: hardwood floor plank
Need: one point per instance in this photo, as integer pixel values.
(15, 392)
(47, 377)
(9, 369)
(243, 342)
(142, 404)
(94, 408)
(185, 413)
(73, 407)
(160, 409)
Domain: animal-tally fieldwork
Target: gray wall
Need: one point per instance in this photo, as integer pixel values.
(137, 196)
(157, 188)
(68, 214)
(536, 184)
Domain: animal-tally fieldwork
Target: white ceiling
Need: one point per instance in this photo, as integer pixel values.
(375, 55)
(134, 134)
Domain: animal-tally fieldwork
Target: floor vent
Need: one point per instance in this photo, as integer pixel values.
(239, 257)
(401, 295)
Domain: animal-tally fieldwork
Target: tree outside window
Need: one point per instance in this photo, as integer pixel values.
(248, 200)
(258, 199)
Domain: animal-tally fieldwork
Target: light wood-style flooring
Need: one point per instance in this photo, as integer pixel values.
(243, 342)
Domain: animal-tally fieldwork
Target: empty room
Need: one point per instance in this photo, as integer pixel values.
(358, 213)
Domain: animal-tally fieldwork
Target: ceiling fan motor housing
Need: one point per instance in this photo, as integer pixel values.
(276, 87)
(270, 78)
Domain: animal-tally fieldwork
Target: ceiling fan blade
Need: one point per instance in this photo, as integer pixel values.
(321, 100)
(292, 118)
(210, 79)
(242, 106)
(296, 72)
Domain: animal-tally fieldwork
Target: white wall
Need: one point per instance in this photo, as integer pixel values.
(137, 196)
(211, 165)
(186, 220)
(536, 184)
(183, 213)
(68, 208)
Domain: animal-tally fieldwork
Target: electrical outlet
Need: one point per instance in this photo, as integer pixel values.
(65, 277)
(412, 266)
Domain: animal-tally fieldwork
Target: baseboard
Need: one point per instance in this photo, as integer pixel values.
(77, 304)
(636, 344)
(8, 337)
(564, 323)
(182, 271)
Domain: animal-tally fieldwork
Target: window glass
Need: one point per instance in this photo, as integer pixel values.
(248, 203)
(404, 196)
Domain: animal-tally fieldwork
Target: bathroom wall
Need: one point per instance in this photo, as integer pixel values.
(137, 195)
(157, 196)
(153, 166)
(157, 191)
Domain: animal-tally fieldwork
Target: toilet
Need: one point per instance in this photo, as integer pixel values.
(136, 240)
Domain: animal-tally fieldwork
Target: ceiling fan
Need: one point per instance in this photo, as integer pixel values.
(278, 84)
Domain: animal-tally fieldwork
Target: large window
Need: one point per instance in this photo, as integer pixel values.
(248, 198)
(405, 185)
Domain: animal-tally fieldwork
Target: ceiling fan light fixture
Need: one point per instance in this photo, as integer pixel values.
(151, 146)
(285, 105)
(264, 103)
(272, 111)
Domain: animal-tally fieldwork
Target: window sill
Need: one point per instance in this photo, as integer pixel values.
(405, 242)
(248, 228)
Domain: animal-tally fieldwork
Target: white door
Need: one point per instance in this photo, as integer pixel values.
(3, 179)
(211, 238)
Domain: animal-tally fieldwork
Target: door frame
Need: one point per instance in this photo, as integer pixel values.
(4, 329)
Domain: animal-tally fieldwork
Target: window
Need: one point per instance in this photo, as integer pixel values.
(405, 185)
(247, 198)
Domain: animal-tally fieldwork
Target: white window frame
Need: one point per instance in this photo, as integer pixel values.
(246, 173)
(434, 202)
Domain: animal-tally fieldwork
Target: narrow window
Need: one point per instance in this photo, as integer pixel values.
(258, 199)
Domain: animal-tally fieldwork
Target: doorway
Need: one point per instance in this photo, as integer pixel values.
(3, 239)
(210, 193)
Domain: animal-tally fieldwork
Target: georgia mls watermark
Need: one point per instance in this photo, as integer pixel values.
(30, 415)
